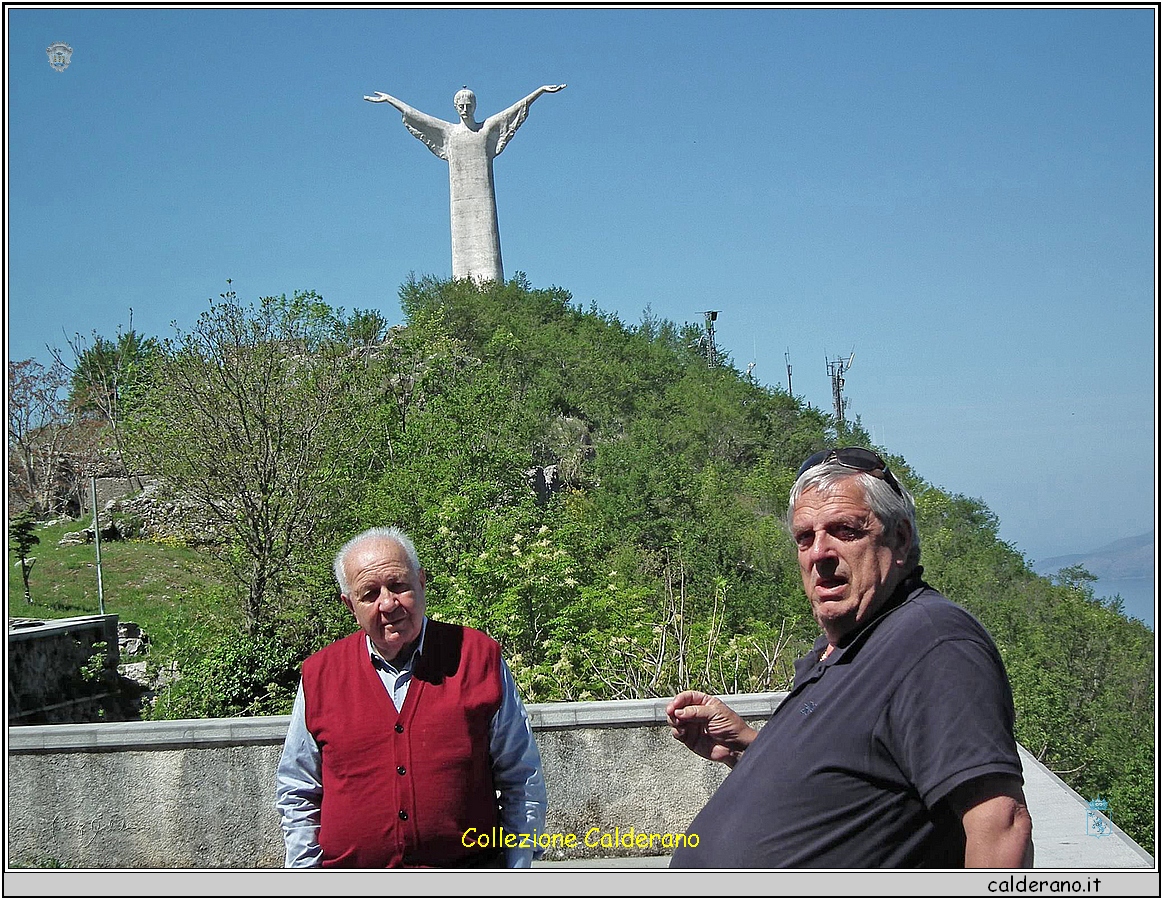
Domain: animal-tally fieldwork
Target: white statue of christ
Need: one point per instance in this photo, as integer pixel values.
(469, 148)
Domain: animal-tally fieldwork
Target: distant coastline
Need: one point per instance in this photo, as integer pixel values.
(1125, 568)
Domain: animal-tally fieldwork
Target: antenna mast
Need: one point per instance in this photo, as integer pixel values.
(787, 359)
(836, 369)
(712, 353)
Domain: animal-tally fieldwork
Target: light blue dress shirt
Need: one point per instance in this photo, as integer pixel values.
(515, 760)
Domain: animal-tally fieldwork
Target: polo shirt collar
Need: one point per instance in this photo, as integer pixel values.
(908, 586)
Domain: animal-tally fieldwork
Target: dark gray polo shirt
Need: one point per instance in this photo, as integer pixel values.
(851, 769)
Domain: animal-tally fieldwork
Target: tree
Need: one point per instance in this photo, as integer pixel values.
(103, 375)
(20, 532)
(366, 327)
(265, 416)
(42, 433)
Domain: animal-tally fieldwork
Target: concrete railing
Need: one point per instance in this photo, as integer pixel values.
(200, 792)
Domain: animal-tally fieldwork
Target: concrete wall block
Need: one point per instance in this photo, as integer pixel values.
(45, 682)
(189, 808)
(200, 793)
(613, 778)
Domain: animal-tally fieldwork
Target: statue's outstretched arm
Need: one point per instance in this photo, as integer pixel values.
(509, 120)
(544, 89)
(424, 127)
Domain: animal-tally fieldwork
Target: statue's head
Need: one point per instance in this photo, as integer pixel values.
(465, 102)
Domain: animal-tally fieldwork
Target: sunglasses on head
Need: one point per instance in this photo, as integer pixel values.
(854, 458)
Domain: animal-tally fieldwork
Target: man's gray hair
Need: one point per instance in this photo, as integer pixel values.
(379, 533)
(886, 504)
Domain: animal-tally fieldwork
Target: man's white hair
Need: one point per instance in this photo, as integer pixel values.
(379, 533)
(886, 504)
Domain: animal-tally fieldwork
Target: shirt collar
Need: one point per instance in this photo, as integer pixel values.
(909, 585)
(399, 664)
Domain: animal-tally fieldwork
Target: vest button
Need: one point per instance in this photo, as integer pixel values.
(403, 816)
(399, 729)
(401, 770)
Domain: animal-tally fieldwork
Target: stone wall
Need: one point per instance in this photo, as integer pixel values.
(110, 488)
(156, 513)
(200, 793)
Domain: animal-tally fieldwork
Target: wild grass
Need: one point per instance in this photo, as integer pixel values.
(172, 591)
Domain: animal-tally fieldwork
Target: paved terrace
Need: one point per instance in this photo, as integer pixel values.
(198, 793)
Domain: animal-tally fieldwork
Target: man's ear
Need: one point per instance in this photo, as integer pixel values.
(347, 602)
(423, 577)
(904, 534)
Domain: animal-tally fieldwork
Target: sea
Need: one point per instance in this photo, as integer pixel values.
(1138, 596)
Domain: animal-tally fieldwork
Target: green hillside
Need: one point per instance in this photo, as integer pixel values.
(655, 560)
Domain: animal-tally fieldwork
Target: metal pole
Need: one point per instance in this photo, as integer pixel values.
(97, 542)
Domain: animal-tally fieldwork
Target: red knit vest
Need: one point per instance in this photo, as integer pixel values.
(401, 788)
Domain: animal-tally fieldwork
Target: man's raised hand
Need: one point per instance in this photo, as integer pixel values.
(709, 727)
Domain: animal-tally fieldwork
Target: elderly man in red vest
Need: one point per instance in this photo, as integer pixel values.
(408, 740)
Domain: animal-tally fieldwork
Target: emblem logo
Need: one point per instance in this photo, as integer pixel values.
(59, 55)
(1097, 822)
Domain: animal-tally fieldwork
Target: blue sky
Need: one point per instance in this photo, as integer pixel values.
(964, 198)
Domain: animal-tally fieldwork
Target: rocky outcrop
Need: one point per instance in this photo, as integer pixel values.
(156, 514)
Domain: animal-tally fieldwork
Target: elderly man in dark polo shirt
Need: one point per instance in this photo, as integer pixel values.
(895, 746)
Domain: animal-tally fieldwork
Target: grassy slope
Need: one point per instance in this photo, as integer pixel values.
(172, 592)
